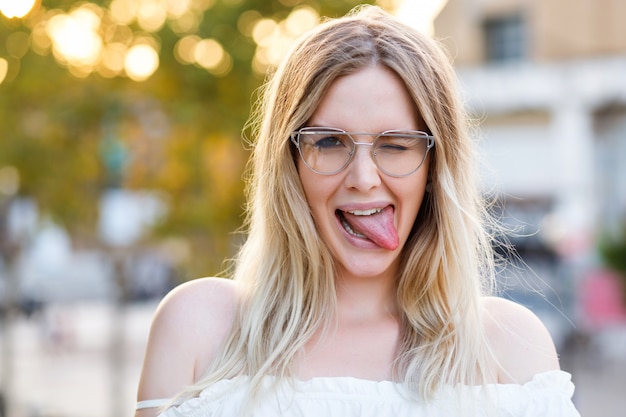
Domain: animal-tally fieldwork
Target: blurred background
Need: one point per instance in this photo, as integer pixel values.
(123, 145)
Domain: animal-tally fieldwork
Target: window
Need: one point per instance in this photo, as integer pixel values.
(505, 39)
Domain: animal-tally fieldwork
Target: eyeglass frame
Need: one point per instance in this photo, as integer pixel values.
(295, 139)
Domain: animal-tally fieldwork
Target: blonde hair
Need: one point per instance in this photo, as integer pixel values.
(286, 271)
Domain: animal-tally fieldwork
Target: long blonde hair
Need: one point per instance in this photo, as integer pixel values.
(285, 270)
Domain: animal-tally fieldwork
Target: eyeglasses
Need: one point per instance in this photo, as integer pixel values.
(328, 150)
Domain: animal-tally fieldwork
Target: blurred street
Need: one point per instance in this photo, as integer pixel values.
(598, 366)
(63, 364)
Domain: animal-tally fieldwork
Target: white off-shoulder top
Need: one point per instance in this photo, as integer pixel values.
(547, 394)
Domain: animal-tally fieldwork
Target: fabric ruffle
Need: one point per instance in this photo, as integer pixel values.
(547, 394)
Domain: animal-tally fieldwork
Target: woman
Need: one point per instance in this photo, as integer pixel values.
(361, 288)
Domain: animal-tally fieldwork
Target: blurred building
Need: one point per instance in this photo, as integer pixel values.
(546, 80)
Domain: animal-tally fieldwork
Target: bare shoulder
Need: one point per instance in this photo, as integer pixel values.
(188, 328)
(520, 341)
(204, 302)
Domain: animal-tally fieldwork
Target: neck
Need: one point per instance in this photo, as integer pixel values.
(362, 298)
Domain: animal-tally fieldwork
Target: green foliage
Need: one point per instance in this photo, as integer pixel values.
(613, 253)
(178, 133)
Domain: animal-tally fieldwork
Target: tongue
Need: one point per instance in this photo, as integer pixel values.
(378, 228)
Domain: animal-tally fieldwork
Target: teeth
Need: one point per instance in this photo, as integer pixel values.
(349, 229)
(365, 212)
(347, 225)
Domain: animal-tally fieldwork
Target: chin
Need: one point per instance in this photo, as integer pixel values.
(368, 268)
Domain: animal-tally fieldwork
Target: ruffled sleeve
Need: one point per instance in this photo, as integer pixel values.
(547, 394)
(220, 399)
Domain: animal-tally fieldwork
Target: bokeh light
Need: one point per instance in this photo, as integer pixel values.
(17, 44)
(209, 54)
(40, 41)
(177, 8)
(116, 33)
(151, 15)
(4, 69)
(75, 37)
(247, 22)
(9, 180)
(299, 18)
(123, 11)
(91, 38)
(113, 59)
(141, 62)
(187, 23)
(16, 8)
(184, 49)
(206, 53)
(274, 39)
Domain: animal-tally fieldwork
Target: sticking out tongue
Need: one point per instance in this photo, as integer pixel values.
(378, 228)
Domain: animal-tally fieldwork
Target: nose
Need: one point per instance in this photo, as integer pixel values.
(362, 173)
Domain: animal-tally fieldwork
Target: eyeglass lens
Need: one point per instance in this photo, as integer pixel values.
(396, 153)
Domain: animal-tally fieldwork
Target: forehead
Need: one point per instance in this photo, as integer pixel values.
(371, 99)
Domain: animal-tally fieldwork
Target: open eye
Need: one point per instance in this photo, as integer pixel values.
(329, 141)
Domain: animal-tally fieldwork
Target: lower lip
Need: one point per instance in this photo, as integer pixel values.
(359, 242)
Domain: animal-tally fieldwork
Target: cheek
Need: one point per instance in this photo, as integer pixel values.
(319, 191)
(412, 200)
(311, 186)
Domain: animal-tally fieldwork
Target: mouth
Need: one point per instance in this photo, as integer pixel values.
(348, 227)
(374, 224)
